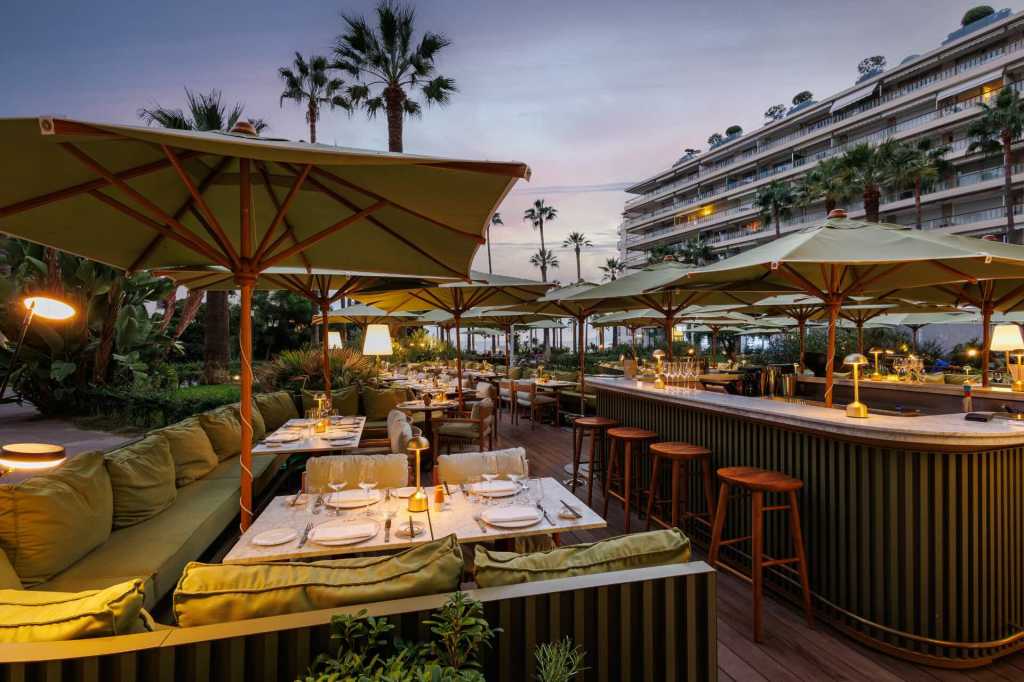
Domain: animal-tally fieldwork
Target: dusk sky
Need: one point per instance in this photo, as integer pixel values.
(590, 94)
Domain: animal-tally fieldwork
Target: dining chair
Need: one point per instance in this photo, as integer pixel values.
(391, 471)
(466, 467)
(489, 390)
(534, 402)
(507, 397)
(475, 426)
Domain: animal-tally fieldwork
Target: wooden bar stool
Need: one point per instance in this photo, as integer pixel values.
(628, 435)
(758, 482)
(679, 455)
(598, 429)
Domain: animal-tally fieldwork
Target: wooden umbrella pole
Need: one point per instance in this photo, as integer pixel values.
(245, 348)
(714, 346)
(860, 336)
(458, 356)
(801, 324)
(833, 314)
(668, 338)
(583, 398)
(986, 335)
(325, 310)
(508, 352)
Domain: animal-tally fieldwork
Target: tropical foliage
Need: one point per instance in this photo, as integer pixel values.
(537, 215)
(291, 369)
(696, 251)
(774, 201)
(559, 661)
(994, 132)
(659, 254)
(390, 64)
(544, 259)
(577, 241)
(307, 84)
(864, 171)
(612, 268)
(914, 166)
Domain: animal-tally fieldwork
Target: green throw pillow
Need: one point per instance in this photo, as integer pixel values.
(344, 400)
(276, 409)
(9, 579)
(259, 427)
(638, 550)
(30, 616)
(191, 450)
(143, 479)
(218, 593)
(49, 522)
(377, 402)
(224, 431)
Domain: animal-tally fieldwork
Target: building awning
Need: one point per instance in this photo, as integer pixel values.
(854, 97)
(969, 85)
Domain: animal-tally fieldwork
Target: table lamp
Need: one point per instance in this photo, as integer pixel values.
(377, 342)
(659, 374)
(1007, 337)
(46, 308)
(877, 374)
(856, 408)
(418, 501)
(334, 340)
(30, 457)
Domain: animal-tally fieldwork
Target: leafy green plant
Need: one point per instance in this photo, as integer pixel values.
(461, 632)
(347, 367)
(976, 13)
(559, 661)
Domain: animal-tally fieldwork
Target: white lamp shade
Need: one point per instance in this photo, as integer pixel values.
(377, 340)
(334, 340)
(1006, 337)
(49, 308)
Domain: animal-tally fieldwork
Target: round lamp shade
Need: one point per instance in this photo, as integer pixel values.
(26, 456)
(1006, 337)
(49, 308)
(658, 353)
(855, 359)
(417, 444)
(334, 340)
(377, 340)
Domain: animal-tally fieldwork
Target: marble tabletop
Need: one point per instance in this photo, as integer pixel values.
(941, 429)
(457, 519)
(347, 430)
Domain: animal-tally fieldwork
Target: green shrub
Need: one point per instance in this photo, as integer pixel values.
(975, 13)
(284, 372)
(559, 661)
(148, 408)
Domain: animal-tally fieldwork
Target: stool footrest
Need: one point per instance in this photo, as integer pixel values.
(733, 541)
(780, 562)
(729, 569)
(776, 507)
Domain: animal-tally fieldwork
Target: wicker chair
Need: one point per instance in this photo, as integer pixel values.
(475, 426)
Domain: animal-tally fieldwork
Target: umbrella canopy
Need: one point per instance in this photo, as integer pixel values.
(362, 315)
(545, 324)
(458, 298)
(841, 258)
(140, 198)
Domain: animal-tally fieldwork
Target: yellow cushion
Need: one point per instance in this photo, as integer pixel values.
(464, 467)
(638, 550)
(49, 522)
(276, 408)
(191, 450)
(391, 471)
(224, 431)
(219, 593)
(344, 400)
(9, 580)
(27, 616)
(378, 402)
(142, 477)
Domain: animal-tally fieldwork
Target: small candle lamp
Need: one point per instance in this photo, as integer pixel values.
(1007, 337)
(877, 374)
(30, 457)
(659, 376)
(856, 408)
(418, 501)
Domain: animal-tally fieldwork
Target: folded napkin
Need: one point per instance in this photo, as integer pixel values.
(281, 437)
(341, 530)
(512, 514)
(495, 487)
(352, 497)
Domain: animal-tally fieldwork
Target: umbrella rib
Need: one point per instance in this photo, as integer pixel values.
(1007, 296)
(865, 281)
(282, 208)
(277, 206)
(793, 276)
(373, 195)
(951, 269)
(86, 187)
(319, 236)
(213, 226)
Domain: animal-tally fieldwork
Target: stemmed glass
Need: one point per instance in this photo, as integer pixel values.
(336, 487)
(490, 470)
(517, 477)
(367, 481)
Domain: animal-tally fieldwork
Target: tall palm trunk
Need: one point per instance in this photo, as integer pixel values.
(917, 202)
(830, 204)
(216, 344)
(872, 199)
(1011, 231)
(579, 270)
(393, 100)
(106, 346)
(312, 115)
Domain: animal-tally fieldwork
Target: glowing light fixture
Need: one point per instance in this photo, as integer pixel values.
(30, 457)
(377, 340)
(46, 308)
(334, 340)
(1007, 337)
(856, 408)
(418, 500)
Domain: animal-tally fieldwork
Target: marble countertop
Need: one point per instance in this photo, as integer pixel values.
(947, 430)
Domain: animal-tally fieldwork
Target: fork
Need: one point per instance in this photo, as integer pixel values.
(480, 522)
(305, 534)
(318, 505)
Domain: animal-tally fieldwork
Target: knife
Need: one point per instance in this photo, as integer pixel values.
(430, 524)
(571, 510)
(446, 490)
(387, 531)
(545, 513)
(305, 535)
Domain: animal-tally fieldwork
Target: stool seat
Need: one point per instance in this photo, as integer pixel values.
(678, 450)
(764, 480)
(596, 422)
(631, 433)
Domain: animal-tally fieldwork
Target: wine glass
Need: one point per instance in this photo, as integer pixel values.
(336, 487)
(367, 482)
(517, 477)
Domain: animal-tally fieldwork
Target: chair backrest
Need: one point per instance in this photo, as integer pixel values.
(484, 410)
(528, 387)
(400, 430)
(463, 467)
(392, 471)
(484, 389)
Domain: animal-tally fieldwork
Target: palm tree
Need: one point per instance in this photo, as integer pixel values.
(206, 112)
(697, 252)
(307, 83)
(827, 182)
(544, 259)
(577, 240)
(495, 220)
(994, 131)
(612, 268)
(390, 64)
(863, 167)
(659, 254)
(913, 165)
(774, 201)
(538, 214)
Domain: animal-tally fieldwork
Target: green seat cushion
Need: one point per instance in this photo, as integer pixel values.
(224, 431)
(191, 450)
(264, 467)
(344, 400)
(49, 522)
(158, 549)
(218, 593)
(459, 430)
(9, 579)
(142, 477)
(377, 402)
(276, 408)
(259, 427)
(638, 550)
(55, 616)
(515, 373)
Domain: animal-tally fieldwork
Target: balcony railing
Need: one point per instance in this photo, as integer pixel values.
(961, 219)
(961, 67)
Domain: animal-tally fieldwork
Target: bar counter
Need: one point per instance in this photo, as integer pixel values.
(914, 526)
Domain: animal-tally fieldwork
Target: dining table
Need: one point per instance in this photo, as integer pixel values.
(299, 436)
(430, 411)
(286, 518)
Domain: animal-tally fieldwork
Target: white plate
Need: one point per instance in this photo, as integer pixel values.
(351, 499)
(350, 541)
(282, 438)
(404, 493)
(292, 423)
(275, 536)
(481, 489)
(513, 524)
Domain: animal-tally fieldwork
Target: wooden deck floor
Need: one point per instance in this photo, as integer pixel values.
(791, 650)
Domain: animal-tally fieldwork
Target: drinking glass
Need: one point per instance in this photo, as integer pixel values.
(336, 487)
(367, 482)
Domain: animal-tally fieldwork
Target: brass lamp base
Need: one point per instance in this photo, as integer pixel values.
(659, 381)
(857, 409)
(876, 376)
(418, 501)
(1017, 386)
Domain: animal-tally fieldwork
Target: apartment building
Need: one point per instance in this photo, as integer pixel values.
(933, 95)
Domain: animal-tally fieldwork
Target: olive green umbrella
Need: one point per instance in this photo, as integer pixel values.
(841, 258)
(505, 319)
(362, 315)
(458, 298)
(322, 288)
(142, 198)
